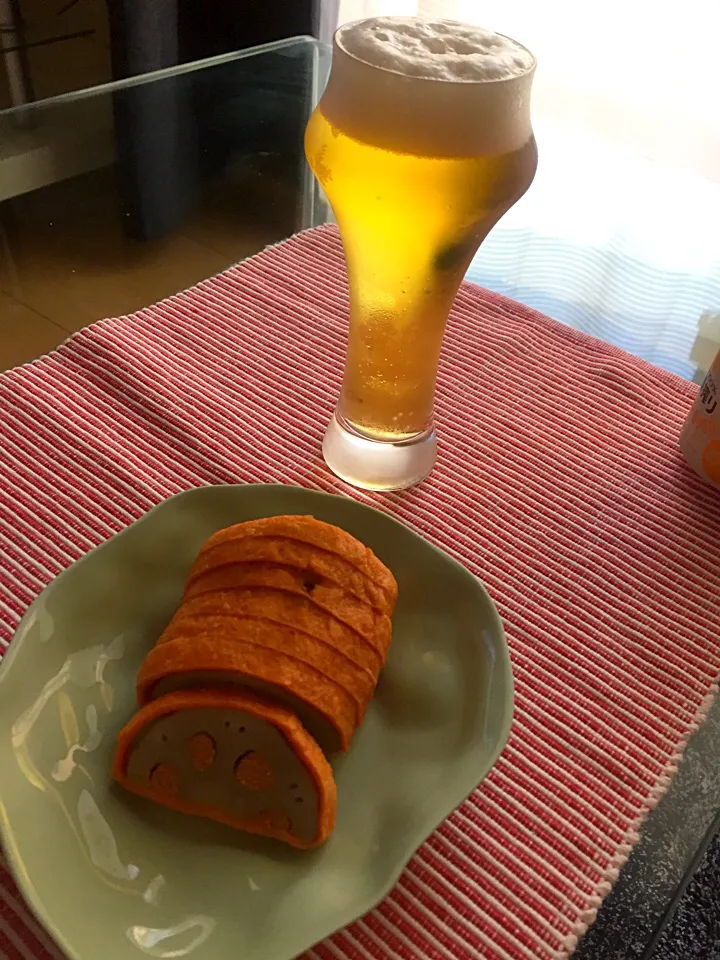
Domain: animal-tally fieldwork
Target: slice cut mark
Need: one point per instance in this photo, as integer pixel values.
(287, 610)
(356, 614)
(324, 708)
(306, 529)
(275, 639)
(280, 763)
(311, 560)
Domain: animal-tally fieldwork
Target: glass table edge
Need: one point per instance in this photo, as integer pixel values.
(182, 69)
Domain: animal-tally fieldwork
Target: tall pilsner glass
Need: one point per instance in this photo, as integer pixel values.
(421, 142)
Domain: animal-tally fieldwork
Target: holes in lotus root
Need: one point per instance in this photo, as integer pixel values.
(274, 821)
(202, 749)
(254, 772)
(164, 778)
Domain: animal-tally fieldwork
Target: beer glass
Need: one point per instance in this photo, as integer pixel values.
(421, 142)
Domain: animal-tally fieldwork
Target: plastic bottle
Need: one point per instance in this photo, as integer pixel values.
(700, 435)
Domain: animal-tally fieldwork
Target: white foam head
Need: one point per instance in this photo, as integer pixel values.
(433, 88)
(435, 49)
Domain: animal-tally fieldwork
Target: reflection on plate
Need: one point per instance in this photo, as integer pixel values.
(113, 875)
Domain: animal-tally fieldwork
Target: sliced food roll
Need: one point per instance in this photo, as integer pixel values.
(324, 707)
(292, 553)
(276, 638)
(306, 529)
(357, 614)
(285, 609)
(232, 757)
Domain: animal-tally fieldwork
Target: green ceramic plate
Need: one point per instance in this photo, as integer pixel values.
(113, 876)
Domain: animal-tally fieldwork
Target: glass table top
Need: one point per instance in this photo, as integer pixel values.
(122, 195)
(118, 196)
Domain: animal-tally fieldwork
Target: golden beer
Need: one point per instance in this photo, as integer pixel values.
(417, 169)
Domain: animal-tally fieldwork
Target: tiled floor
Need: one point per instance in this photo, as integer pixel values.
(65, 260)
(25, 333)
(27, 327)
(65, 257)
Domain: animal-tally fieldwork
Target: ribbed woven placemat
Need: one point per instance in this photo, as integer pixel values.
(558, 483)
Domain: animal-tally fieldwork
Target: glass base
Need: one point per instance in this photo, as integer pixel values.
(378, 465)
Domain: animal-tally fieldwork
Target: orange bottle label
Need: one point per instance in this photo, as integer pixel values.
(700, 436)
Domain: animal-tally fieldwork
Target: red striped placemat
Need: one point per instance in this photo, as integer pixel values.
(558, 483)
